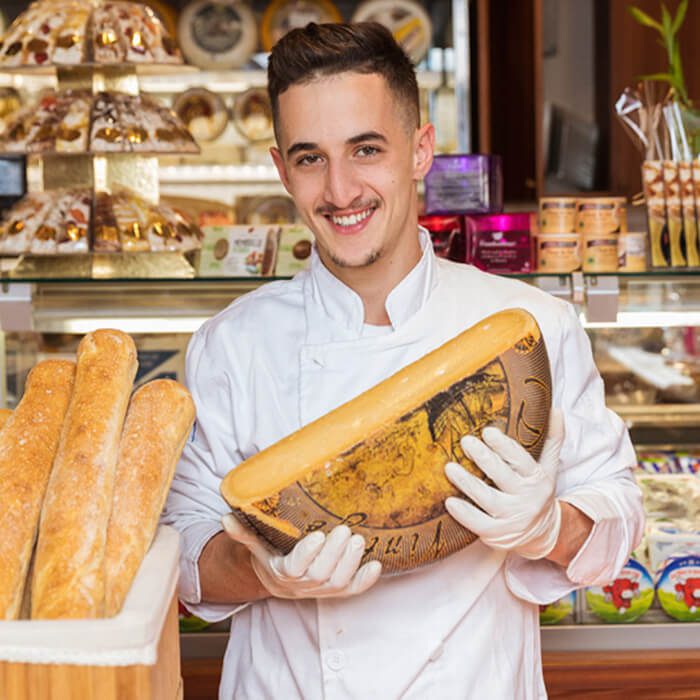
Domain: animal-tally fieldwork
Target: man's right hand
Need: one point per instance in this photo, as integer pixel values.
(319, 566)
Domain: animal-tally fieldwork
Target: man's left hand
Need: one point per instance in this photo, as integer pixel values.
(524, 516)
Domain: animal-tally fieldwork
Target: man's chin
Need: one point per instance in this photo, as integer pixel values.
(355, 263)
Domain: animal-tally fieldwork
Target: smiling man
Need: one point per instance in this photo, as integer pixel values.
(317, 623)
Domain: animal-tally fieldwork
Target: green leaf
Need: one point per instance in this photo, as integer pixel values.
(666, 20)
(661, 77)
(643, 18)
(680, 16)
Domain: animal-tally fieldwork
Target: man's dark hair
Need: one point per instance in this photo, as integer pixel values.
(318, 50)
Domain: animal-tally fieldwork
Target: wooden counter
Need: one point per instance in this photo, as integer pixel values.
(622, 675)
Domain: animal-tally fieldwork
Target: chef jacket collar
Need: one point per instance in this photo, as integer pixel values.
(343, 305)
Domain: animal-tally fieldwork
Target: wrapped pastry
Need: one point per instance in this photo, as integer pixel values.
(69, 47)
(108, 45)
(106, 133)
(22, 221)
(162, 46)
(131, 214)
(43, 241)
(166, 130)
(169, 230)
(73, 233)
(72, 131)
(105, 230)
(12, 46)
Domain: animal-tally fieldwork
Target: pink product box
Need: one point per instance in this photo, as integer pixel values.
(464, 184)
(446, 235)
(500, 243)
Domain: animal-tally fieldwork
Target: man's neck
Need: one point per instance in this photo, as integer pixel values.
(374, 283)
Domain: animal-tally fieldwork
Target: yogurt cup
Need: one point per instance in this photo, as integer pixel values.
(558, 252)
(599, 253)
(632, 251)
(601, 215)
(557, 214)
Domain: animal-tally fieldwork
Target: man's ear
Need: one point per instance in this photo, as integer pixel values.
(278, 160)
(424, 149)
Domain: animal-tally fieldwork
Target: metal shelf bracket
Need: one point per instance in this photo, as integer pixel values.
(602, 298)
(16, 311)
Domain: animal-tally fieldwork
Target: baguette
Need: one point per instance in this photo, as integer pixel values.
(5, 413)
(157, 425)
(68, 578)
(28, 444)
(376, 463)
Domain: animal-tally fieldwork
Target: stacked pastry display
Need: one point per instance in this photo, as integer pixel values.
(85, 467)
(74, 121)
(70, 32)
(60, 222)
(108, 39)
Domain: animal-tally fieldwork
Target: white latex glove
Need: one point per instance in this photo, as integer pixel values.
(317, 567)
(523, 516)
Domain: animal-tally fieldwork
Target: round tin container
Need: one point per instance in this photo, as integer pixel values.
(559, 610)
(558, 252)
(632, 251)
(557, 214)
(601, 215)
(626, 598)
(678, 588)
(599, 253)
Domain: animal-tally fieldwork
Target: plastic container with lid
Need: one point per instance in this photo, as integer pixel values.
(600, 253)
(632, 251)
(500, 242)
(557, 214)
(601, 215)
(558, 252)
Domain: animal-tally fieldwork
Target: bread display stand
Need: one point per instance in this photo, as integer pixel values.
(135, 654)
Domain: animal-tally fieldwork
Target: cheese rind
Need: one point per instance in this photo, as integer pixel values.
(376, 463)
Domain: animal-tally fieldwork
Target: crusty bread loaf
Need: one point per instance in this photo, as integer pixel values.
(5, 413)
(157, 425)
(68, 579)
(28, 443)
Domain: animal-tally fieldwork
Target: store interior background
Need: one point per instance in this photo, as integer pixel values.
(545, 75)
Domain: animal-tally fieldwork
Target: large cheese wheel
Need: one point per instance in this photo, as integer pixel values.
(377, 462)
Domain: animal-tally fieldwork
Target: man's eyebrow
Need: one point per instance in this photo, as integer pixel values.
(352, 141)
(301, 146)
(366, 136)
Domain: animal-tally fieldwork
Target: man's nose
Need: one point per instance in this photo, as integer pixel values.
(342, 186)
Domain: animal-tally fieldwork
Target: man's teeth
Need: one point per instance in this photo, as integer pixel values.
(352, 219)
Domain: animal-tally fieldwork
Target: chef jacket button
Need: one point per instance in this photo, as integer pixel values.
(437, 653)
(335, 659)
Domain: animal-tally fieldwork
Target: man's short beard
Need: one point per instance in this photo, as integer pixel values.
(372, 257)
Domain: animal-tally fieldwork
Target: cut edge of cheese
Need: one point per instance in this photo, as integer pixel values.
(322, 440)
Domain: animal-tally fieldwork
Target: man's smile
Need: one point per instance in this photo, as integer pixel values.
(351, 222)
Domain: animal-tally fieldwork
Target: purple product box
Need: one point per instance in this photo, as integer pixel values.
(464, 184)
(500, 243)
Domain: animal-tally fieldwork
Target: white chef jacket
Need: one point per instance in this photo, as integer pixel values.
(464, 627)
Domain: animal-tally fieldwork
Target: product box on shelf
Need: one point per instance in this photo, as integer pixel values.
(464, 184)
(293, 250)
(239, 251)
(134, 654)
(445, 231)
(500, 243)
